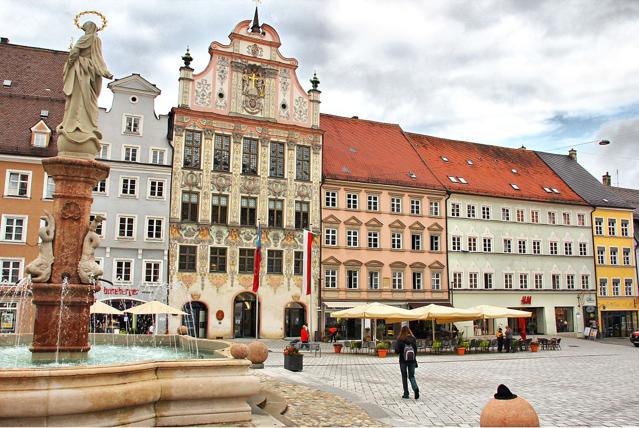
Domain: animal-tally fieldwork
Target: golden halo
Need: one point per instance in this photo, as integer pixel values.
(76, 21)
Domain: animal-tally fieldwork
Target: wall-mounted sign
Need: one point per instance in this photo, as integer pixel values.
(526, 300)
(117, 291)
(219, 315)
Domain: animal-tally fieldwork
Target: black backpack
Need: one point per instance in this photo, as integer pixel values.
(409, 353)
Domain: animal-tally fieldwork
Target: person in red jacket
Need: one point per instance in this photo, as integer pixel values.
(304, 336)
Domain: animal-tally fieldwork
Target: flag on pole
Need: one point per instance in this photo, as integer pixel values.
(257, 260)
(308, 243)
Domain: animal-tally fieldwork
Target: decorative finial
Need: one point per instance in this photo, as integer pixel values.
(187, 58)
(315, 81)
(255, 28)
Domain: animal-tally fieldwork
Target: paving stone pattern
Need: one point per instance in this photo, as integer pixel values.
(584, 384)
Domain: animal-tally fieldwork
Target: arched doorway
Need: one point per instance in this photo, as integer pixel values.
(244, 315)
(294, 318)
(196, 318)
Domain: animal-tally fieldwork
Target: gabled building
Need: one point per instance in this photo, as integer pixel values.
(631, 196)
(518, 236)
(31, 106)
(612, 228)
(247, 152)
(383, 222)
(134, 199)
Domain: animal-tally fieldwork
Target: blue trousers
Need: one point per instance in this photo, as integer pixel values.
(408, 373)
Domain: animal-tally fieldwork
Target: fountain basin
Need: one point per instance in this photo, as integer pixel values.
(156, 393)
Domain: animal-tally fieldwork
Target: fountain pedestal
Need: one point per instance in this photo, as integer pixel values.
(69, 337)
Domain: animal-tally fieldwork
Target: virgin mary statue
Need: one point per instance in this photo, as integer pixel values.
(78, 134)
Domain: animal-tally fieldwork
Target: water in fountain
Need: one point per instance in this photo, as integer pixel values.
(63, 293)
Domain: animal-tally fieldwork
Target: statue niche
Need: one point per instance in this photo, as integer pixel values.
(253, 89)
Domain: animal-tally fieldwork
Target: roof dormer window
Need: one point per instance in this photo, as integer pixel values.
(547, 190)
(6, 83)
(453, 179)
(40, 135)
(462, 180)
(44, 113)
(554, 190)
(514, 186)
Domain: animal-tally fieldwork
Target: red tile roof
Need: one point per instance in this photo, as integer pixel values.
(491, 172)
(371, 152)
(36, 85)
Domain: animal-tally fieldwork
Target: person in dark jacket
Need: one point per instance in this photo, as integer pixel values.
(407, 368)
(500, 340)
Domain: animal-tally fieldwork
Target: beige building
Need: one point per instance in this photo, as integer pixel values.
(247, 152)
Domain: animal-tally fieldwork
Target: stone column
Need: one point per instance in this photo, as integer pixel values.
(62, 312)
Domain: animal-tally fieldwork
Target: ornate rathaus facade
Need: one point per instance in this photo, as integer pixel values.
(247, 152)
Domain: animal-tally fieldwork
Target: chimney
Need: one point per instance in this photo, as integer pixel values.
(4, 40)
(572, 154)
(606, 179)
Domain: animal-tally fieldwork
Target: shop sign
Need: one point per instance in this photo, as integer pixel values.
(117, 291)
(526, 300)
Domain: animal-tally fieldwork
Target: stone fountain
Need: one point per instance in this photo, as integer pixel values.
(65, 274)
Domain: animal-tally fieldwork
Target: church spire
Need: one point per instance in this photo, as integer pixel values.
(255, 28)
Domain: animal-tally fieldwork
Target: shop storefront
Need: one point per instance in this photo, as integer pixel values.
(619, 323)
(564, 319)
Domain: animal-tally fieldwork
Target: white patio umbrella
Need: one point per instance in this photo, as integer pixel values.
(447, 314)
(376, 311)
(154, 308)
(102, 308)
(492, 312)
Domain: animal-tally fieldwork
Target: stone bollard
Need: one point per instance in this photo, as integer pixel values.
(182, 330)
(257, 354)
(508, 410)
(239, 351)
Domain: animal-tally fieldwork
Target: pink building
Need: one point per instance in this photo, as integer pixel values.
(383, 222)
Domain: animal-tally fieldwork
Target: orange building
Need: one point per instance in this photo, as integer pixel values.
(31, 106)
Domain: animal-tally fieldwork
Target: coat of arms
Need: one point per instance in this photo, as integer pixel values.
(253, 89)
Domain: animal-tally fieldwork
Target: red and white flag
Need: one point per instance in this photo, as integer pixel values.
(306, 272)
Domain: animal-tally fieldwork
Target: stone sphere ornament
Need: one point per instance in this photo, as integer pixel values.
(239, 351)
(508, 410)
(182, 330)
(257, 352)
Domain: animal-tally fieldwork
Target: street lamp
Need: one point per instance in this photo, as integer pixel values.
(599, 142)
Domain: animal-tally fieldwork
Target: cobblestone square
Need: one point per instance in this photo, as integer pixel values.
(583, 384)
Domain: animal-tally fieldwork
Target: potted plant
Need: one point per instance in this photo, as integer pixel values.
(437, 346)
(337, 347)
(382, 349)
(293, 360)
(461, 344)
(534, 346)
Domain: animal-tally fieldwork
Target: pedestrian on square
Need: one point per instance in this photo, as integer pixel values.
(406, 348)
(500, 340)
(304, 337)
(332, 334)
(509, 338)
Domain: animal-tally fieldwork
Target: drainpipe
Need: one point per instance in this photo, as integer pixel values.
(450, 289)
(596, 284)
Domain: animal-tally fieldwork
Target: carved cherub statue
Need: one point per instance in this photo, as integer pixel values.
(40, 268)
(88, 269)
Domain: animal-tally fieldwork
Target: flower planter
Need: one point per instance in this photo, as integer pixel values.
(461, 351)
(337, 348)
(294, 362)
(381, 353)
(534, 347)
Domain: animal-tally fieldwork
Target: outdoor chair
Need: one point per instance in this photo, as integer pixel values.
(558, 344)
(393, 344)
(552, 345)
(446, 345)
(436, 347)
(525, 344)
(356, 346)
(543, 342)
(347, 346)
(474, 345)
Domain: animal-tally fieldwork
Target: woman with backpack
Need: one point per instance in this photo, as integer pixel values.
(406, 348)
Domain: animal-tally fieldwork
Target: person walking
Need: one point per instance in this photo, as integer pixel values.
(406, 348)
(304, 337)
(509, 338)
(332, 334)
(500, 340)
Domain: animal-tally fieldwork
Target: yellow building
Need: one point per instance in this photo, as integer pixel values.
(615, 268)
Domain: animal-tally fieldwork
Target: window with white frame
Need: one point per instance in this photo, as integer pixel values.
(534, 216)
(40, 139)
(457, 280)
(396, 204)
(416, 241)
(505, 214)
(396, 240)
(49, 186)
(104, 151)
(566, 217)
(555, 280)
(625, 229)
(100, 187)
(472, 279)
(603, 286)
(628, 288)
(18, 184)
(581, 220)
(352, 278)
(472, 244)
(552, 217)
(570, 281)
(485, 212)
(523, 281)
(373, 203)
(352, 238)
(126, 227)
(626, 257)
(508, 245)
(536, 247)
(455, 243)
(152, 271)
(14, 228)
(416, 206)
(330, 278)
(330, 199)
(330, 237)
(123, 271)
(583, 249)
(373, 239)
(521, 246)
(568, 248)
(352, 201)
(128, 186)
(471, 211)
(488, 245)
(158, 156)
(598, 226)
(488, 280)
(132, 125)
(455, 209)
(539, 281)
(601, 255)
(521, 216)
(436, 281)
(154, 228)
(433, 208)
(614, 259)
(373, 280)
(553, 248)
(612, 227)
(156, 188)
(10, 270)
(100, 228)
(397, 279)
(434, 243)
(508, 281)
(418, 280)
(130, 153)
(585, 282)
(616, 289)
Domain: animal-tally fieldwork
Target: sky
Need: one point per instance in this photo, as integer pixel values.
(544, 74)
